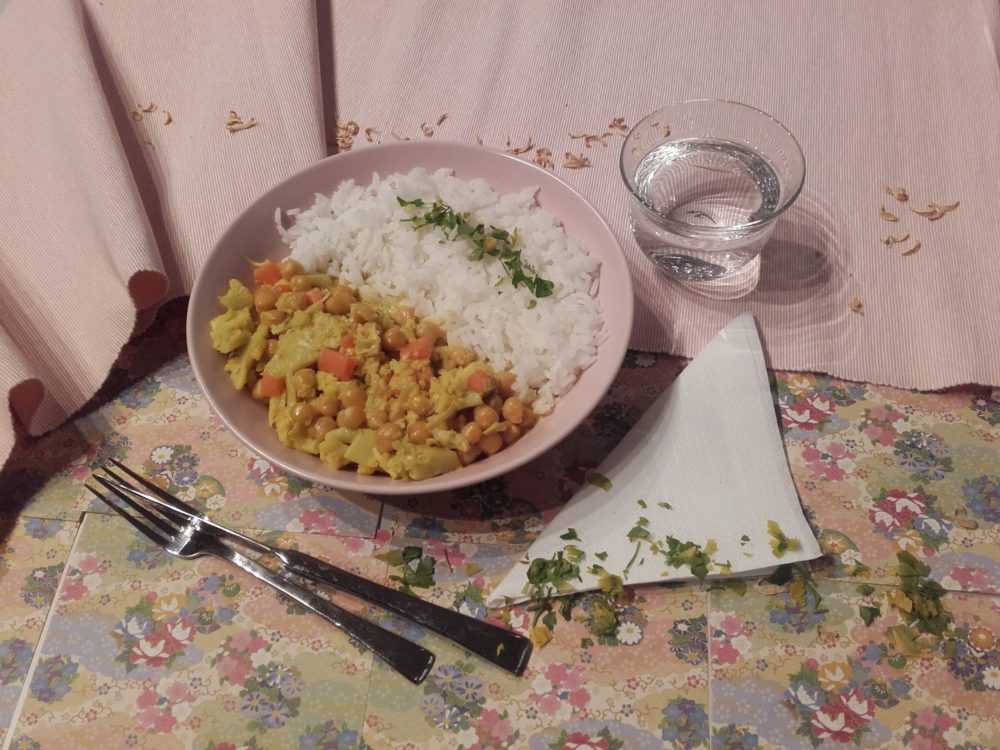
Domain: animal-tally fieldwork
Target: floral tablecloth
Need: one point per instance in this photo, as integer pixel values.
(106, 642)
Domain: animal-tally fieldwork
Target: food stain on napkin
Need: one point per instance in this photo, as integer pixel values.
(698, 488)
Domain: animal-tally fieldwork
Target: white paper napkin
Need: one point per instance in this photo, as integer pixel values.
(704, 465)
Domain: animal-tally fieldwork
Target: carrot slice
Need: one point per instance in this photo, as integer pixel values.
(478, 381)
(338, 364)
(419, 348)
(315, 295)
(267, 273)
(347, 342)
(271, 386)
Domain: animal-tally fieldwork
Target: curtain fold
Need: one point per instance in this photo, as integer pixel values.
(120, 173)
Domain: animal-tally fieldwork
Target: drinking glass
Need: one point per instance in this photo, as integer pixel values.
(708, 179)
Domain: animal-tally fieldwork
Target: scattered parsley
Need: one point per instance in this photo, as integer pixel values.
(799, 579)
(599, 480)
(641, 503)
(744, 539)
(640, 530)
(678, 554)
(417, 569)
(666, 506)
(737, 585)
(780, 544)
(919, 598)
(570, 535)
(485, 239)
(551, 576)
(869, 614)
(609, 583)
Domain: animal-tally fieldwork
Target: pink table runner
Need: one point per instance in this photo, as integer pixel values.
(121, 171)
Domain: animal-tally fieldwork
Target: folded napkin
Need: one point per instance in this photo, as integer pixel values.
(700, 486)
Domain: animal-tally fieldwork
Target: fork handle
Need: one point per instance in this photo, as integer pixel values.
(504, 648)
(409, 659)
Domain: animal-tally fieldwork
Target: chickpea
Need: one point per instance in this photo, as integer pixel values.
(352, 395)
(351, 417)
(393, 339)
(378, 418)
(303, 413)
(467, 457)
(418, 432)
(264, 298)
(270, 348)
(472, 432)
(290, 268)
(340, 300)
(485, 416)
(419, 404)
(512, 434)
(300, 283)
(304, 382)
(386, 435)
(462, 356)
(495, 402)
(430, 330)
(505, 383)
(327, 404)
(529, 419)
(513, 410)
(321, 426)
(272, 318)
(362, 312)
(404, 315)
(491, 444)
(289, 302)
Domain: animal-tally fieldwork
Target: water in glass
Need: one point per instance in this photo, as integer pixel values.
(704, 183)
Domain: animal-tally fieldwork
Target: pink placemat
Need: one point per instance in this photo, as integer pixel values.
(121, 171)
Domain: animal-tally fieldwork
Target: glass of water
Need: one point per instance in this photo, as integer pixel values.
(708, 180)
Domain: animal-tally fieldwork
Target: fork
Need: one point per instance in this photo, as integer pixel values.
(186, 541)
(505, 648)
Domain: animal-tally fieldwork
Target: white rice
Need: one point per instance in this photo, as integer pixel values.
(359, 236)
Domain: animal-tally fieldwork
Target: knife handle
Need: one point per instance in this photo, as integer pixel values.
(409, 659)
(505, 648)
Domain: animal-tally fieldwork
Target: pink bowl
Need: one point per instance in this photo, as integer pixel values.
(253, 235)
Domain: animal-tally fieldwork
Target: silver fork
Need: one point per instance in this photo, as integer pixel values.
(505, 648)
(186, 541)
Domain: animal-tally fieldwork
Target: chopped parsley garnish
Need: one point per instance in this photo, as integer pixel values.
(487, 240)
(570, 535)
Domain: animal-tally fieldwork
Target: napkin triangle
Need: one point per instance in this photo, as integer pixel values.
(699, 487)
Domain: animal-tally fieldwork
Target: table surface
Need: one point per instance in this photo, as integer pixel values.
(107, 642)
